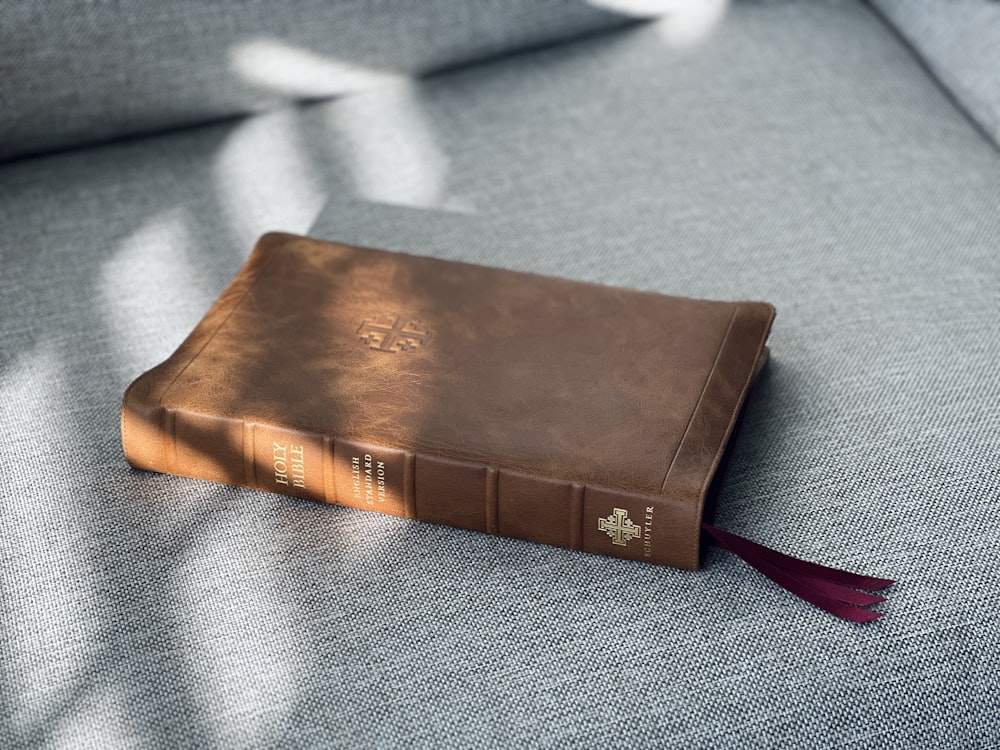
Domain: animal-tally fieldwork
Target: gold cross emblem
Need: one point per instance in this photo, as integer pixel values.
(393, 334)
(619, 527)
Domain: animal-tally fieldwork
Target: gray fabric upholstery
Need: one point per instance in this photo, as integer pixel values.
(799, 155)
(89, 71)
(960, 43)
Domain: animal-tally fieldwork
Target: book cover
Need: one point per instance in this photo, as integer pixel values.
(573, 414)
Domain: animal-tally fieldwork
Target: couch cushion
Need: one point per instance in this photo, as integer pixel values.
(799, 155)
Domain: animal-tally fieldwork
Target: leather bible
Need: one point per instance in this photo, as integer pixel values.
(567, 413)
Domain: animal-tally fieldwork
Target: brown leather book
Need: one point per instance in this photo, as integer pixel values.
(573, 414)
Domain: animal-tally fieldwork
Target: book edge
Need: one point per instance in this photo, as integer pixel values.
(689, 477)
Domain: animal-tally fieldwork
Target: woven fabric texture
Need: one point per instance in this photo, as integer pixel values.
(798, 154)
(92, 71)
(960, 44)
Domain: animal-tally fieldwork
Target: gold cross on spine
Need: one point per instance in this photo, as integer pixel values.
(619, 527)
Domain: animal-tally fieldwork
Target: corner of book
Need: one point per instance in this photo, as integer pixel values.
(269, 240)
(764, 312)
(141, 425)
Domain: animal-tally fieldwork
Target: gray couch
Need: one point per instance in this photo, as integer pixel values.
(837, 159)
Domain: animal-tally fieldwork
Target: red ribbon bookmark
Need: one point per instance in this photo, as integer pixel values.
(832, 590)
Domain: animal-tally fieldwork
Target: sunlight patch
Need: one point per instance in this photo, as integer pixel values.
(298, 73)
(149, 283)
(264, 180)
(682, 23)
(388, 142)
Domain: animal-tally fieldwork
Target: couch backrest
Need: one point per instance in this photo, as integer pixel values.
(83, 71)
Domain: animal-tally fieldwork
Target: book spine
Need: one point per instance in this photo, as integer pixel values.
(410, 484)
